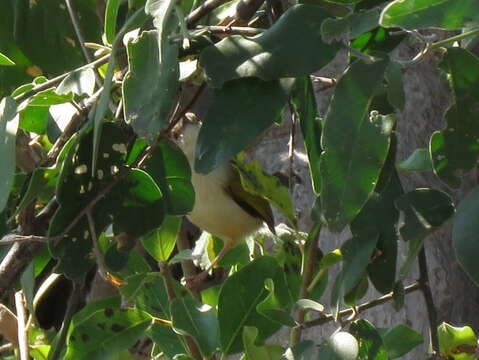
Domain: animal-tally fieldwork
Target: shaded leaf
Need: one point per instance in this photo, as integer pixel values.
(304, 100)
(371, 345)
(106, 332)
(79, 82)
(454, 150)
(395, 90)
(182, 255)
(350, 26)
(272, 308)
(253, 352)
(355, 144)
(425, 211)
(189, 318)
(8, 132)
(111, 13)
(399, 340)
(304, 350)
(420, 14)
(237, 115)
(273, 54)
(419, 160)
(464, 234)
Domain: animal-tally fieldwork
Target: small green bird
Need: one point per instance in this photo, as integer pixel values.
(222, 206)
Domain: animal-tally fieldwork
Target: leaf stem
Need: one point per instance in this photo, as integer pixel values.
(455, 38)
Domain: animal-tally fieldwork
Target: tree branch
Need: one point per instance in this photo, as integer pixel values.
(200, 11)
(21, 321)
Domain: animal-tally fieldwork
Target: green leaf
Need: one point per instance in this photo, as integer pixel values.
(112, 302)
(253, 352)
(454, 150)
(304, 350)
(419, 160)
(451, 339)
(167, 341)
(420, 14)
(371, 345)
(161, 242)
(4, 60)
(272, 308)
(425, 211)
(48, 97)
(382, 266)
(399, 340)
(355, 144)
(350, 26)
(105, 333)
(169, 167)
(356, 254)
(273, 54)
(464, 234)
(182, 255)
(340, 346)
(237, 115)
(8, 133)
(111, 13)
(256, 181)
(308, 304)
(151, 84)
(188, 318)
(304, 100)
(238, 298)
(79, 82)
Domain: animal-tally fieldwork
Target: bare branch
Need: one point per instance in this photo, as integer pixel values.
(21, 321)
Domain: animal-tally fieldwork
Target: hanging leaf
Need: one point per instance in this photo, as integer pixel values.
(237, 115)
(188, 318)
(161, 242)
(304, 100)
(272, 308)
(395, 89)
(371, 345)
(111, 13)
(273, 54)
(79, 82)
(355, 144)
(304, 350)
(425, 211)
(454, 150)
(419, 160)
(8, 133)
(399, 340)
(420, 14)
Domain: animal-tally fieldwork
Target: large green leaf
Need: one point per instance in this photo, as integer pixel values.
(188, 318)
(355, 144)
(304, 101)
(399, 340)
(371, 345)
(275, 53)
(455, 150)
(238, 298)
(382, 267)
(239, 112)
(151, 84)
(161, 242)
(464, 234)
(8, 135)
(425, 211)
(106, 332)
(272, 308)
(418, 14)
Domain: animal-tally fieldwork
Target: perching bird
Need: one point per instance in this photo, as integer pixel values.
(222, 206)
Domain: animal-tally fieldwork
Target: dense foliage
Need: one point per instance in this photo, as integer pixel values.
(92, 181)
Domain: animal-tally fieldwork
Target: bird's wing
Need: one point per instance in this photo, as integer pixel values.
(253, 204)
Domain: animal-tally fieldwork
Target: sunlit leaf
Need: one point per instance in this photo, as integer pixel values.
(160, 242)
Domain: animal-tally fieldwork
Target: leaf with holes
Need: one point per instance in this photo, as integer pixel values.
(106, 332)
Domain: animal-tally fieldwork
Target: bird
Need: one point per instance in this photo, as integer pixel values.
(222, 206)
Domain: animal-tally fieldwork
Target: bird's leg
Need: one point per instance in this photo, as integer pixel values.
(194, 281)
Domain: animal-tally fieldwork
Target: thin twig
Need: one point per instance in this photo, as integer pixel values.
(292, 146)
(190, 343)
(200, 11)
(96, 247)
(21, 321)
(231, 30)
(360, 308)
(308, 271)
(428, 298)
(72, 305)
(57, 80)
(14, 238)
